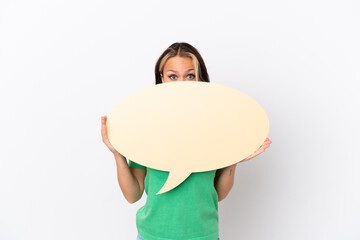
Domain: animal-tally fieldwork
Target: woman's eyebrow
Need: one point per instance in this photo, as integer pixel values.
(190, 69)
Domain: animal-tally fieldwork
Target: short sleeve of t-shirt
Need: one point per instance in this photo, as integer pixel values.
(135, 165)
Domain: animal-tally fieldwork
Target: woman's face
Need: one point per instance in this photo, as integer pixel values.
(178, 69)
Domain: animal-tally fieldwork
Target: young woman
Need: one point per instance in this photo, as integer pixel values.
(189, 211)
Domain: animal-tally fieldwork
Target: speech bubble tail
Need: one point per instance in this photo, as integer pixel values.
(173, 180)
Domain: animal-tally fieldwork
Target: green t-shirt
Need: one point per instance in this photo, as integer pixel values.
(189, 211)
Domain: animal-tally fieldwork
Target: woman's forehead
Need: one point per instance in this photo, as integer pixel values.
(179, 64)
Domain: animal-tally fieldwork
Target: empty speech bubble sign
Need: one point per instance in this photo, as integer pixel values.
(187, 126)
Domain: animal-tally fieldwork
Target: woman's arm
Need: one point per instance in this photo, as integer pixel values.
(224, 181)
(131, 180)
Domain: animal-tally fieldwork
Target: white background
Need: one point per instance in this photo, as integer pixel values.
(64, 64)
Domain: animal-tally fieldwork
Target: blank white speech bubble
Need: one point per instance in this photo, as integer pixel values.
(185, 127)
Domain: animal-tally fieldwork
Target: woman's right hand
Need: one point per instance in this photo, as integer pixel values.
(105, 137)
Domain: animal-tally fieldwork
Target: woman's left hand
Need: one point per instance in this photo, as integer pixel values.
(261, 149)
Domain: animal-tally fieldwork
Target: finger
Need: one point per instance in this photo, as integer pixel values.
(104, 132)
(262, 146)
(262, 150)
(250, 156)
(103, 129)
(258, 153)
(103, 121)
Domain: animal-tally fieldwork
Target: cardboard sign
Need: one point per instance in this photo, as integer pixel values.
(187, 126)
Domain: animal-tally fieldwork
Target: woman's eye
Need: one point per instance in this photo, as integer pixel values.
(173, 77)
(191, 76)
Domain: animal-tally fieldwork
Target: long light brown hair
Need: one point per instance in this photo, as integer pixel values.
(182, 49)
